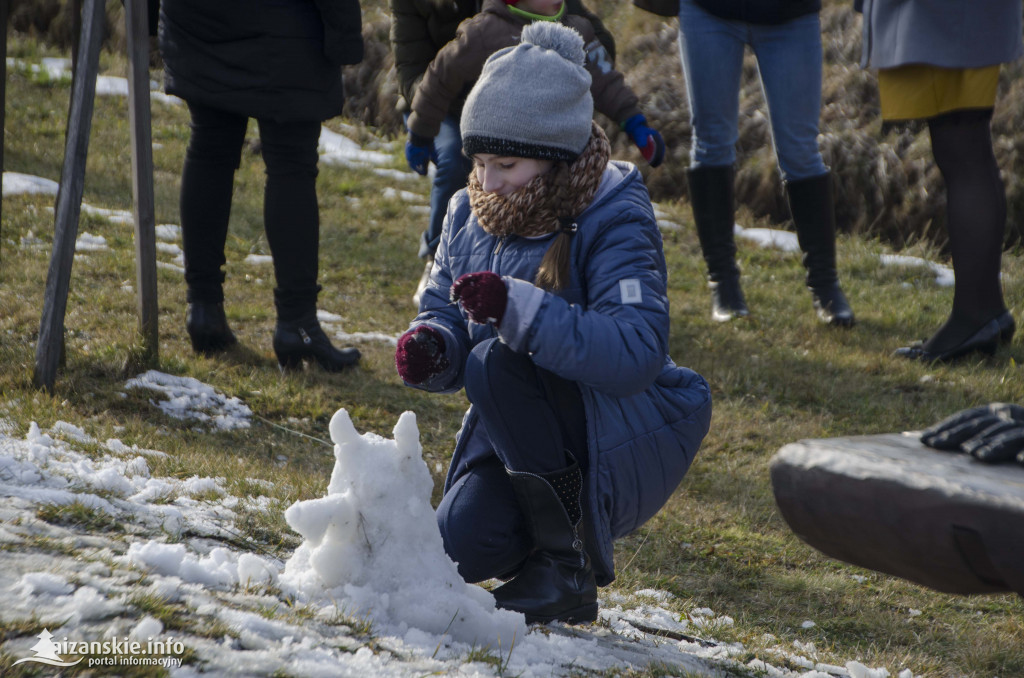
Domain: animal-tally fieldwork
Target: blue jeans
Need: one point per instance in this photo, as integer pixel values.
(452, 173)
(789, 61)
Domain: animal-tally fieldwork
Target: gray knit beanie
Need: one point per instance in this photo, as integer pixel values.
(532, 100)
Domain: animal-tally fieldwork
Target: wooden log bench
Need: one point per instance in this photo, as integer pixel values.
(888, 503)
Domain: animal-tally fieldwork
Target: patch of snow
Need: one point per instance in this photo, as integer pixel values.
(188, 398)
(770, 237)
(408, 196)
(16, 183)
(168, 232)
(337, 149)
(944, 276)
(112, 215)
(87, 242)
(395, 174)
(331, 321)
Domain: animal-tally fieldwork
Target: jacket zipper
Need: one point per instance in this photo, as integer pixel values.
(501, 243)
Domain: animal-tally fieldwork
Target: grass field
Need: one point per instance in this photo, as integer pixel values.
(776, 377)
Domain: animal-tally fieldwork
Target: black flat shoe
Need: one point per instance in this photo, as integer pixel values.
(306, 341)
(986, 340)
(207, 327)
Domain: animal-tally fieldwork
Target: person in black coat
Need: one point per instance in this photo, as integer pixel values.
(279, 62)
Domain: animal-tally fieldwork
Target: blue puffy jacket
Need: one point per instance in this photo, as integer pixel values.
(608, 331)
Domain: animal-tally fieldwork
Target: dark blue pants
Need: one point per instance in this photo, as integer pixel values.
(536, 422)
(291, 215)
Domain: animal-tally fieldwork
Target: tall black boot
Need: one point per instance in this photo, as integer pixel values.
(811, 204)
(556, 582)
(714, 212)
(298, 336)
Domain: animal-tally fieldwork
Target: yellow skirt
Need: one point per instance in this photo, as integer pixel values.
(922, 91)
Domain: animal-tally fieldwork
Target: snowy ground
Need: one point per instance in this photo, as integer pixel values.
(369, 592)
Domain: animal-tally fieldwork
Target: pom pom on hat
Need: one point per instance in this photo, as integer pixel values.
(556, 37)
(532, 100)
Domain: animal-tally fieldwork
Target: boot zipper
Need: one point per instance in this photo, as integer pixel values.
(577, 545)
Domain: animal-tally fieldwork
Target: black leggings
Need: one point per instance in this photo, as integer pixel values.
(291, 216)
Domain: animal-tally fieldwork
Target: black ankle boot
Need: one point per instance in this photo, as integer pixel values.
(304, 339)
(812, 207)
(207, 327)
(727, 300)
(556, 582)
(712, 201)
(831, 305)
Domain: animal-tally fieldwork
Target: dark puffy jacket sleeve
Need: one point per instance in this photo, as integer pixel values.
(602, 32)
(453, 71)
(412, 44)
(612, 96)
(343, 30)
(445, 317)
(618, 343)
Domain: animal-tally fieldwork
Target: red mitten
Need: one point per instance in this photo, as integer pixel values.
(483, 296)
(420, 355)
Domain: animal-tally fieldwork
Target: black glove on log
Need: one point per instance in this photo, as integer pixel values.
(991, 433)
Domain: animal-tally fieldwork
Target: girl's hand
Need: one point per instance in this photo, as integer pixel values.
(483, 296)
(420, 355)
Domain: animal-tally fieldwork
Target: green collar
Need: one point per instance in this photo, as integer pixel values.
(536, 17)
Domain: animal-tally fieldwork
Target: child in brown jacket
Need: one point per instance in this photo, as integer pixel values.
(458, 65)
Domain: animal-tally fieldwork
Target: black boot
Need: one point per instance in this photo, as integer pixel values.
(207, 327)
(304, 339)
(298, 335)
(812, 207)
(556, 582)
(712, 200)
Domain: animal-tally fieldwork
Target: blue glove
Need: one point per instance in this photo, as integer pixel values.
(650, 143)
(419, 153)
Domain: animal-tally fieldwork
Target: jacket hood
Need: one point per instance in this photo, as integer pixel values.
(618, 175)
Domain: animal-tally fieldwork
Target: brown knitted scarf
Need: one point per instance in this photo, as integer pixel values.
(534, 209)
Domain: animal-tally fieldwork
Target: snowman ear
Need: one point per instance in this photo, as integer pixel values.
(342, 430)
(407, 435)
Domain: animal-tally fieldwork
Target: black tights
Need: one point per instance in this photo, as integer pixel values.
(976, 221)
